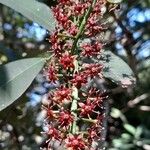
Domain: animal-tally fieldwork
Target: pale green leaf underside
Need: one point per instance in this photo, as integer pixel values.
(16, 77)
(33, 10)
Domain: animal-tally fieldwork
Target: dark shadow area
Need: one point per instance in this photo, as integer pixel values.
(3, 78)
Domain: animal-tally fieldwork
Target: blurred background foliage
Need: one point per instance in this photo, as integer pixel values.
(128, 36)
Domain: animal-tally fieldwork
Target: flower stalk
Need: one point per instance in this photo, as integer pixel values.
(75, 107)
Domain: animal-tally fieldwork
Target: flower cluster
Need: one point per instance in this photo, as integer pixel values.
(91, 49)
(69, 107)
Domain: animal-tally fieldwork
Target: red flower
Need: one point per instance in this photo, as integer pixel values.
(87, 50)
(96, 97)
(100, 119)
(49, 112)
(87, 108)
(62, 17)
(67, 61)
(97, 47)
(62, 94)
(79, 8)
(65, 118)
(75, 142)
(94, 133)
(91, 49)
(56, 44)
(79, 79)
(52, 73)
(54, 38)
(73, 30)
(97, 101)
(97, 8)
(93, 70)
(92, 26)
(63, 1)
(57, 49)
(53, 133)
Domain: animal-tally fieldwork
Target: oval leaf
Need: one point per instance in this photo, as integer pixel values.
(117, 70)
(114, 1)
(34, 10)
(15, 78)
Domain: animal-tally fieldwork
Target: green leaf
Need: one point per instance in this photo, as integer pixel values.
(114, 1)
(139, 131)
(115, 113)
(116, 69)
(131, 129)
(34, 10)
(126, 136)
(16, 77)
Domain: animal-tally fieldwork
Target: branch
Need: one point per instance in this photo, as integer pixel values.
(138, 99)
(130, 42)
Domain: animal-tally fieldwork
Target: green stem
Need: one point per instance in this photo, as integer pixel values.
(89, 120)
(74, 107)
(82, 26)
(66, 36)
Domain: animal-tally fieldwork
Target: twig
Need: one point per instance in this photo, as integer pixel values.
(138, 99)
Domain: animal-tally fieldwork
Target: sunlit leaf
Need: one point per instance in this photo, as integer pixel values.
(34, 10)
(16, 77)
